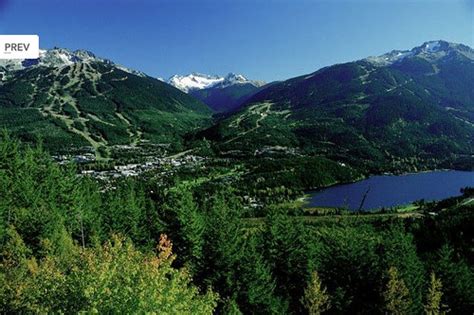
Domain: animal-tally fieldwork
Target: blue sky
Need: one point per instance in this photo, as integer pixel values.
(267, 40)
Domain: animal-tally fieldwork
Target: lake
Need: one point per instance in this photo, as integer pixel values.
(389, 191)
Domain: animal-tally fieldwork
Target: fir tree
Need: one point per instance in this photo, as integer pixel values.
(433, 304)
(316, 299)
(397, 296)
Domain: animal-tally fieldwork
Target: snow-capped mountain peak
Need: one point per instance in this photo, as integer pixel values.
(57, 58)
(432, 46)
(233, 78)
(431, 51)
(198, 81)
(194, 81)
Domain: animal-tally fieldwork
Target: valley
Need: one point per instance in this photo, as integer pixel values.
(365, 117)
(121, 192)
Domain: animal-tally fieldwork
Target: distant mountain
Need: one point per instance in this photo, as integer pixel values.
(433, 51)
(73, 99)
(397, 108)
(222, 94)
(194, 81)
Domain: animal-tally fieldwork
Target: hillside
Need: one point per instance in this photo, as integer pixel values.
(75, 99)
(404, 107)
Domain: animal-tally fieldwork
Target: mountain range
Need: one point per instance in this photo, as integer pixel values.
(221, 94)
(398, 107)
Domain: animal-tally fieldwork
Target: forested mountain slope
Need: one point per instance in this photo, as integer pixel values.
(404, 105)
(75, 99)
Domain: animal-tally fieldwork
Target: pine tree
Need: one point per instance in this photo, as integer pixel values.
(397, 296)
(125, 213)
(316, 299)
(256, 282)
(189, 228)
(433, 304)
(286, 251)
(231, 308)
(223, 244)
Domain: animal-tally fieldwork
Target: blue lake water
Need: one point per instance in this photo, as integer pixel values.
(389, 191)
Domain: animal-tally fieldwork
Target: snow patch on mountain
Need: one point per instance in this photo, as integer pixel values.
(198, 81)
(432, 46)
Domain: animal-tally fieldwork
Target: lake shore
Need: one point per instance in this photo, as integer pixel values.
(421, 189)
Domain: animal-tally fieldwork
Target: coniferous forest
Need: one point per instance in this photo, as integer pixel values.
(70, 244)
